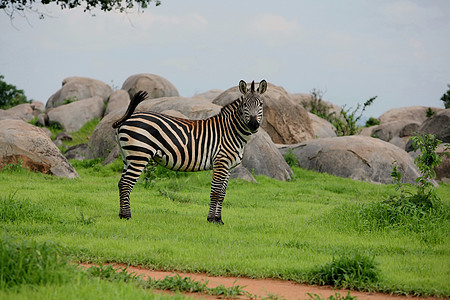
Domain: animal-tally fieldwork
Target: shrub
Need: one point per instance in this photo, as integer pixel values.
(10, 96)
(346, 122)
(347, 271)
(446, 97)
(372, 121)
(291, 159)
(31, 263)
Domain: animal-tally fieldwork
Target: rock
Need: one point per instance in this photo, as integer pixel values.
(24, 111)
(356, 157)
(74, 115)
(262, 157)
(438, 124)
(79, 88)
(285, 121)
(30, 144)
(443, 170)
(156, 86)
(193, 108)
(415, 113)
(321, 127)
(42, 120)
(78, 152)
(118, 100)
(306, 100)
(209, 95)
(240, 172)
(6, 115)
(388, 131)
(102, 140)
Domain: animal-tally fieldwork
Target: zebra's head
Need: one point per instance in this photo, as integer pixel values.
(252, 104)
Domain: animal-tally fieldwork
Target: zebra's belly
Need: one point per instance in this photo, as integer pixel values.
(185, 165)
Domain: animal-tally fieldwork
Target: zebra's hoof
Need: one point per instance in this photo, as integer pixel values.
(215, 221)
(126, 217)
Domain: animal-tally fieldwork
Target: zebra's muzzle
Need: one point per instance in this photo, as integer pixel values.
(253, 124)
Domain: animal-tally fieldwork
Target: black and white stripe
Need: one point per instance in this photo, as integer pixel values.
(188, 145)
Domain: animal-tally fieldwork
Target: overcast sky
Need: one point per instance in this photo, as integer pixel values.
(398, 50)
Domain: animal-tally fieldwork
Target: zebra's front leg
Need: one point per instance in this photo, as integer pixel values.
(218, 189)
(126, 184)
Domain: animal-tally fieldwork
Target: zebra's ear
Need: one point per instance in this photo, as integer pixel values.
(262, 86)
(243, 87)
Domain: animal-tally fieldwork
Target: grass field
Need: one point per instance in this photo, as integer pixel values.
(289, 230)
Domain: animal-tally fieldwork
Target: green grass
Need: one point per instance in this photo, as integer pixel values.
(272, 229)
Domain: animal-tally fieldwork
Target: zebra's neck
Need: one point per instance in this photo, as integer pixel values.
(233, 114)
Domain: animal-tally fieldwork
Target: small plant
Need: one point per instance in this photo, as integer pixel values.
(31, 263)
(348, 271)
(336, 296)
(430, 112)
(153, 172)
(86, 221)
(372, 121)
(446, 97)
(114, 275)
(14, 167)
(317, 106)
(186, 284)
(290, 158)
(346, 122)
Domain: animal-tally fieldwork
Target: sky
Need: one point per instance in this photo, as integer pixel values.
(352, 50)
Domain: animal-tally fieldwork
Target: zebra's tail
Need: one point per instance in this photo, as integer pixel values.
(138, 98)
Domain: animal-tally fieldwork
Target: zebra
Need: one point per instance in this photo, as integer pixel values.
(179, 144)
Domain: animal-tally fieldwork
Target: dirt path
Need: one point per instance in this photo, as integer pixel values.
(264, 287)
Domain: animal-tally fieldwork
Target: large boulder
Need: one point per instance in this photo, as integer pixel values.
(394, 132)
(79, 88)
(30, 144)
(74, 115)
(25, 111)
(285, 121)
(438, 124)
(156, 86)
(415, 113)
(357, 157)
(209, 95)
(194, 108)
(262, 157)
(322, 128)
(118, 100)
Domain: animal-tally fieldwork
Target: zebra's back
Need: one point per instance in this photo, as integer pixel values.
(176, 143)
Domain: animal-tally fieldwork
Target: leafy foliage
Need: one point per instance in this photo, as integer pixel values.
(348, 271)
(291, 159)
(30, 263)
(372, 121)
(346, 122)
(336, 296)
(9, 94)
(317, 106)
(21, 6)
(446, 97)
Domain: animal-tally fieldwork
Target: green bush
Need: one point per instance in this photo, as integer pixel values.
(346, 122)
(10, 96)
(347, 271)
(31, 263)
(291, 159)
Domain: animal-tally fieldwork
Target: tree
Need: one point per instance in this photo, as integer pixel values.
(446, 98)
(21, 7)
(10, 96)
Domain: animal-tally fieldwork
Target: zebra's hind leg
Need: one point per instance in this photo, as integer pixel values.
(130, 175)
(218, 189)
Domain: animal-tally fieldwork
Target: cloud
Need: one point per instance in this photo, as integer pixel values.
(274, 30)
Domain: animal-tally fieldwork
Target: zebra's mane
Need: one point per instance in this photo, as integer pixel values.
(231, 106)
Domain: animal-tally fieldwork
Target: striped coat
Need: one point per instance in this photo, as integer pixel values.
(188, 145)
